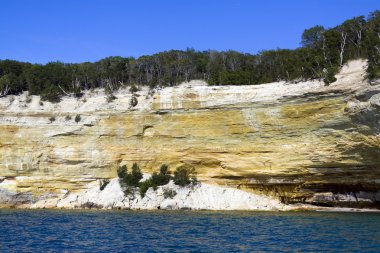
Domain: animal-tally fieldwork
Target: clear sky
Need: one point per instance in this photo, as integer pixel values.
(88, 30)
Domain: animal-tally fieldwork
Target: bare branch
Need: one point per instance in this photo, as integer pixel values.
(66, 93)
(343, 38)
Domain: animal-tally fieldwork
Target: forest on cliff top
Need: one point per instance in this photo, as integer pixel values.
(321, 54)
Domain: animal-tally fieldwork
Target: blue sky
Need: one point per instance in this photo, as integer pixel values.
(40, 31)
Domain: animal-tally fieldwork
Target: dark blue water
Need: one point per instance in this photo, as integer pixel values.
(140, 231)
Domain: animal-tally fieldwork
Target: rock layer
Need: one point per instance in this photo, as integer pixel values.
(298, 142)
(192, 197)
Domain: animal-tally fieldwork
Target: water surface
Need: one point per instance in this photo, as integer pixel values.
(163, 231)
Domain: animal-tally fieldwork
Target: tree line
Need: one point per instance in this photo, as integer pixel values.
(321, 54)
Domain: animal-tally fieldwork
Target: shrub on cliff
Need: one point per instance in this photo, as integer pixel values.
(103, 183)
(129, 192)
(122, 171)
(133, 178)
(169, 193)
(329, 75)
(163, 177)
(129, 179)
(157, 179)
(144, 186)
(185, 175)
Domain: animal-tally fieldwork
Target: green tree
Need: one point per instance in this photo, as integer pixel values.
(161, 178)
(5, 85)
(184, 175)
(133, 178)
(312, 37)
(144, 187)
(122, 171)
(372, 44)
(322, 49)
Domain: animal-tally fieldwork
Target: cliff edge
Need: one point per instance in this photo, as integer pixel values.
(294, 142)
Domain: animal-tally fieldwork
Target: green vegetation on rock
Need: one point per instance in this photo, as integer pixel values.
(163, 177)
(77, 118)
(133, 178)
(169, 193)
(183, 175)
(322, 53)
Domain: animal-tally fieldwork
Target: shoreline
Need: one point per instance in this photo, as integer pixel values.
(314, 209)
(199, 197)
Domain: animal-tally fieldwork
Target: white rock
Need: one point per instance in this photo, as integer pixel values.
(198, 197)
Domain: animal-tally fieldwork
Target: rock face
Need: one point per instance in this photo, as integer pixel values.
(169, 197)
(298, 142)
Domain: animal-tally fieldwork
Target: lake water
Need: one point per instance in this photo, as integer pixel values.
(186, 231)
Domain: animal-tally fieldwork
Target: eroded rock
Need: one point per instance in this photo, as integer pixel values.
(291, 141)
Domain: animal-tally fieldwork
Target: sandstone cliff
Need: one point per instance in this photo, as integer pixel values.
(298, 142)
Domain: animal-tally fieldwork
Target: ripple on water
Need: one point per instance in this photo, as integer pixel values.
(141, 231)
